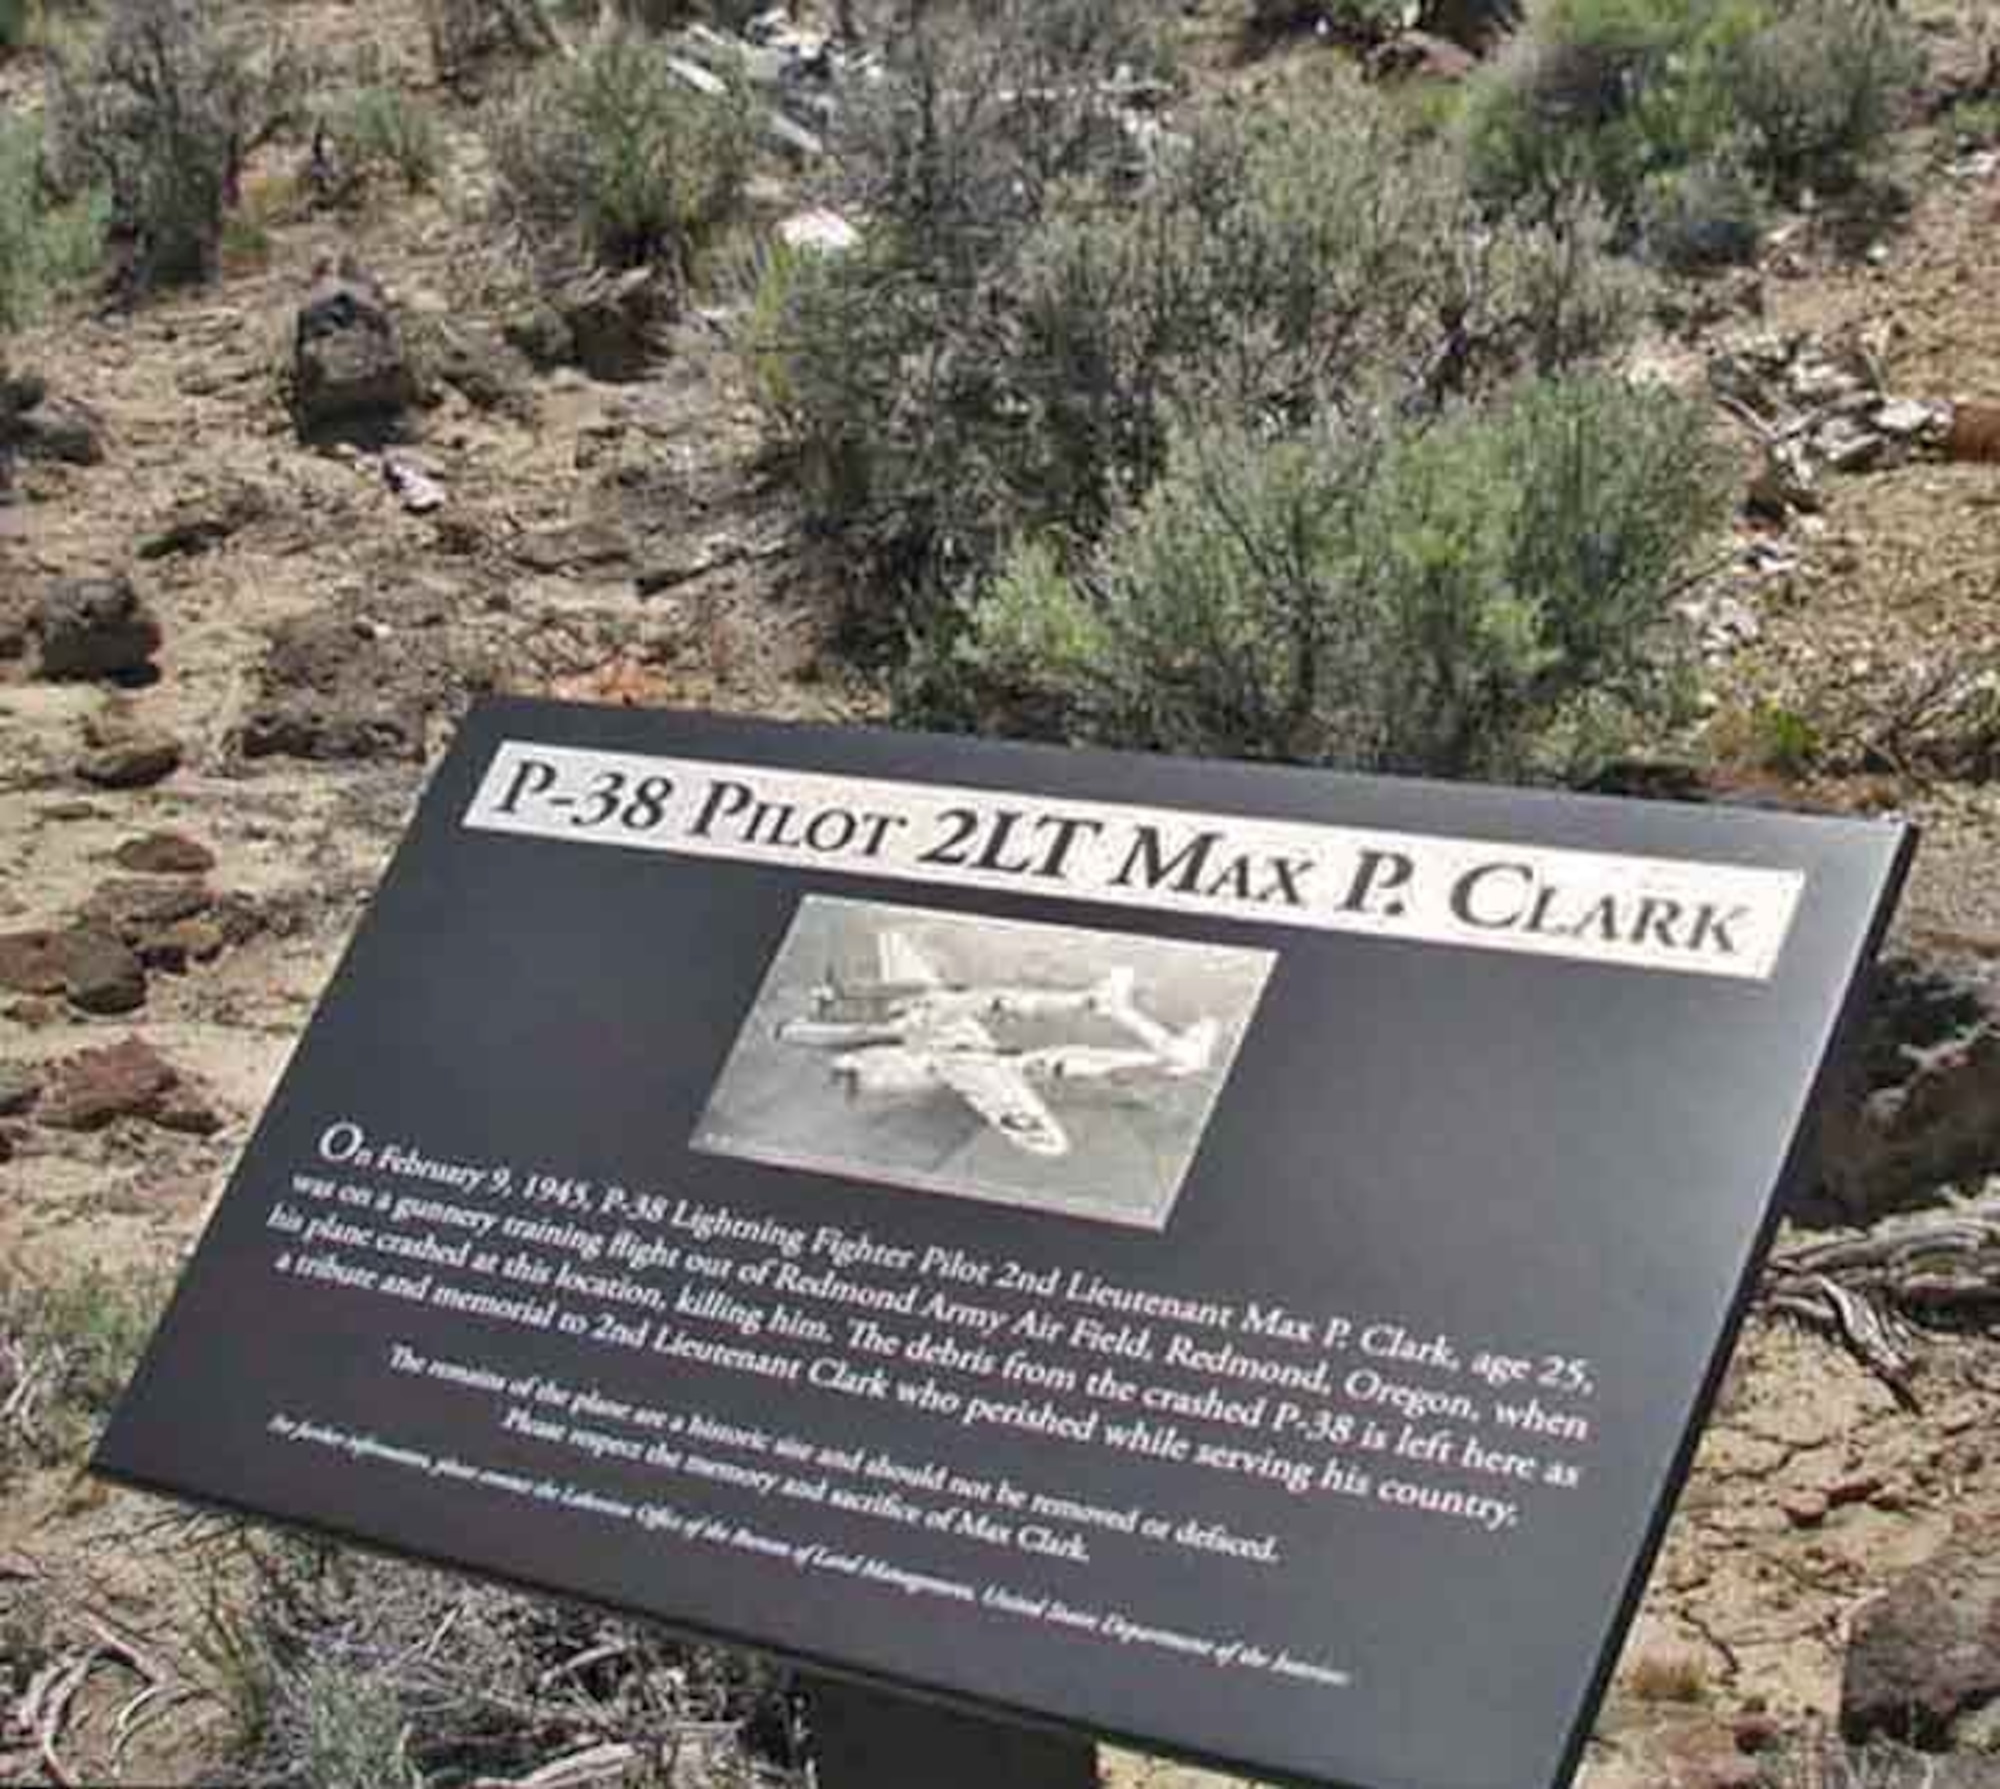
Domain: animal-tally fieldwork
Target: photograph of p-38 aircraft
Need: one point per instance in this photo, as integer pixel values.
(1049, 1065)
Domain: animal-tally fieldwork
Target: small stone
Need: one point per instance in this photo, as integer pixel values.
(97, 1087)
(201, 525)
(486, 369)
(615, 320)
(99, 974)
(95, 627)
(577, 547)
(49, 430)
(165, 854)
(186, 941)
(1757, 1733)
(134, 758)
(134, 907)
(187, 1110)
(818, 231)
(1804, 1509)
(1926, 1652)
(19, 1089)
(30, 963)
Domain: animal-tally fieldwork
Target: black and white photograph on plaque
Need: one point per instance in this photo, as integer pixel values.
(1058, 1067)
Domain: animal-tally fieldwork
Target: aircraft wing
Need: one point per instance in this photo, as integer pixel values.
(1001, 1096)
(903, 965)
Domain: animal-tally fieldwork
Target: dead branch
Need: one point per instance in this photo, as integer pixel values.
(1869, 1291)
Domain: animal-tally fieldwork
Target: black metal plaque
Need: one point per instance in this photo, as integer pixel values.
(1225, 1257)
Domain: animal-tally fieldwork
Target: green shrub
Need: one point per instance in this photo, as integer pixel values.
(43, 246)
(1817, 90)
(163, 113)
(1619, 96)
(382, 127)
(15, 19)
(1403, 596)
(943, 402)
(611, 158)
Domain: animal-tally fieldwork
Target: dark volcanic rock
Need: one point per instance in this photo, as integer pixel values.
(97, 1087)
(350, 375)
(615, 320)
(87, 964)
(165, 854)
(130, 757)
(1916, 1103)
(133, 906)
(100, 975)
(1927, 1652)
(95, 627)
(39, 427)
(1476, 24)
(333, 688)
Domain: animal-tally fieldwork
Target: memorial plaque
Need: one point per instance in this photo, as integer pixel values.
(1226, 1257)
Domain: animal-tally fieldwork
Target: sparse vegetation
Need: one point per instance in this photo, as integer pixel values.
(380, 129)
(610, 158)
(162, 112)
(1667, 1677)
(67, 1346)
(329, 1664)
(45, 244)
(1678, 113)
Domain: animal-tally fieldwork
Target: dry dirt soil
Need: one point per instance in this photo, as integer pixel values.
(1813, 1488)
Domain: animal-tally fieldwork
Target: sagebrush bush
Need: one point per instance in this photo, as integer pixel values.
(1377, 594)
(44, 245)
(380, 127)
(943, 402)
(610, 158)
(163, 112)
(982, 109)
(1818, 89)
(1622, 97)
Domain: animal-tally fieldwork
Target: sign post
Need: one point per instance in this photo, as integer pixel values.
(1228, 1258)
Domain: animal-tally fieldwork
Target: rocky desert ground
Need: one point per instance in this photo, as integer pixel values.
(228, 654)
